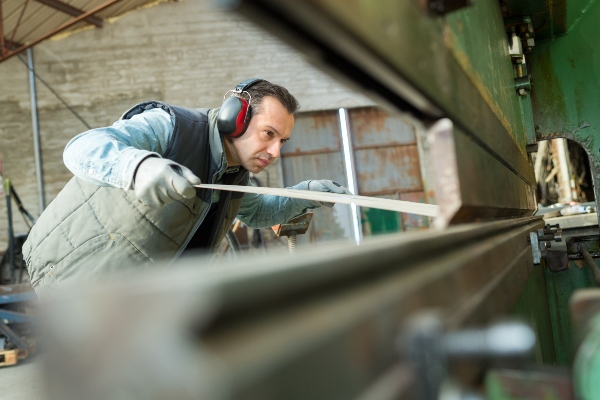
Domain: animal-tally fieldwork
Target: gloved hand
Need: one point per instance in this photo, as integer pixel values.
(159, 181)
(322, 185)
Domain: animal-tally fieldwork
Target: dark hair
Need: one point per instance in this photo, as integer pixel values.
(263, 89)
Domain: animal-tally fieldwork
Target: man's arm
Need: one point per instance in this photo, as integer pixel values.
(109, 156)
(263, 211)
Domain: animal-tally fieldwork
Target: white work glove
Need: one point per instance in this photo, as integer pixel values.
(322, 185)
(159, 181)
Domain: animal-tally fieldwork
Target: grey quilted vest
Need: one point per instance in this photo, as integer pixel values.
(89, 231)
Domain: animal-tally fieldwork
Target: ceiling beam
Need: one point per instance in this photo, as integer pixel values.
(66, 8)
(61, 28)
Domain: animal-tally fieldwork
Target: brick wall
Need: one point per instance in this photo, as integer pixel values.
(187, 53)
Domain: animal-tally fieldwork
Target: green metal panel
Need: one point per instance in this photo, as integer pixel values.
(566, 72)
(550, 18)
(478, 42)
(381, 221)
(561, 286)
(586, 368)
(532, 307)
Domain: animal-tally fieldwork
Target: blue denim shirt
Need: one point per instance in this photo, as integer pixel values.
(109, 156)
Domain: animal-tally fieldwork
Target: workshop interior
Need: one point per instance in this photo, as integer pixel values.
(487, 109)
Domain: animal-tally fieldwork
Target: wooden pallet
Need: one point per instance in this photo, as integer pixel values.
(11, 357)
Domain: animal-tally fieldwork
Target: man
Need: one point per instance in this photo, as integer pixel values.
(132, 203)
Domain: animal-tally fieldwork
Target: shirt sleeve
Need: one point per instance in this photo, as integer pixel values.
(263, 211)
(109, 156)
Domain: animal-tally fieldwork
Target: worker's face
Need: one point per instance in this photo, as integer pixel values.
(261, 144)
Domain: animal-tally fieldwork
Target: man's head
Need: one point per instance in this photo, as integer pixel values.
(272, 114)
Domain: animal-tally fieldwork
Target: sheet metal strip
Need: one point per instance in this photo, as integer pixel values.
(430, 210)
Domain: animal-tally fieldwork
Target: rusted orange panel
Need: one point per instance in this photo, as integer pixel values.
(314, 132)
(370, 126)
(393, 168)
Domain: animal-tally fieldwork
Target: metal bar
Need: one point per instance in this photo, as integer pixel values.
(36, 133)
(15, 317)
(61, 28)
(66, 8)
(11, 236)
(281, 326)
(19, 21)
(13, 336)
(17, 297)
(350, 171)
(430, 210)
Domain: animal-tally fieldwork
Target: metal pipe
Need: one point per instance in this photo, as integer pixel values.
(350, 166)
(11, 234)
(591, 263)
(36, 131)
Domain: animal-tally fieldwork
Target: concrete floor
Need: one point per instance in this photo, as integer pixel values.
(22, 381)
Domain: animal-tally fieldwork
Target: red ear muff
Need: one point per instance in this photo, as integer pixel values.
(233, 116)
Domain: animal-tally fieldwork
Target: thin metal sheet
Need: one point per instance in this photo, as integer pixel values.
(430, 210)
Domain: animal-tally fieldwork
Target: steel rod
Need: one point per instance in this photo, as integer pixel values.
(11, 235)
(430, 210)
(350, 166)
(36, 133)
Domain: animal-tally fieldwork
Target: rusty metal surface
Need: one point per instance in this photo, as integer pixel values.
(385, 153)
(316, 132)
(373, 127)
(557, 260)
(295, 226)
(319, 325)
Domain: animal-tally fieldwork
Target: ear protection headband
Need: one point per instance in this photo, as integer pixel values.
(234, 114)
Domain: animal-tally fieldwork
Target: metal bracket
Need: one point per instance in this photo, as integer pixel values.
(295, 226)
(520, 42)
(542, 240)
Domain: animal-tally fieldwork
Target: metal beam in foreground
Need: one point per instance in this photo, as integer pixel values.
(324, 324)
